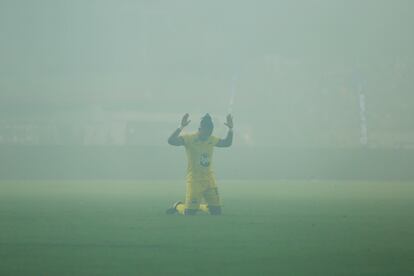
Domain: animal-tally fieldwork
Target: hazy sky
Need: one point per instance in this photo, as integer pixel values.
(108, 50)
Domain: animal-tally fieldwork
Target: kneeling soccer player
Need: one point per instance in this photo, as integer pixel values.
(202, 194)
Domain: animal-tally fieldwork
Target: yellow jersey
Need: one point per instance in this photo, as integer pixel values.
(199, 156)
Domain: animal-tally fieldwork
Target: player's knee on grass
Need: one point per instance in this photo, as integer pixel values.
(214, 210)
(190, 212)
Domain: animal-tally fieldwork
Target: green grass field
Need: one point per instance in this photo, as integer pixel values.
(268, 228)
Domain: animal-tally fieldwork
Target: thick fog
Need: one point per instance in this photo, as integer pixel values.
(336, 74)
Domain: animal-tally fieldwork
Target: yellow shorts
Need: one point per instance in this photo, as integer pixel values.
(201, 192)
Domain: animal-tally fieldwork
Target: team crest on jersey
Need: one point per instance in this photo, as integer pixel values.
(204, 160)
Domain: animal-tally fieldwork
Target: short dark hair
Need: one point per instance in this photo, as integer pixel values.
(206, 122)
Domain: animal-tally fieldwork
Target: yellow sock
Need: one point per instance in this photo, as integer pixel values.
(180, 208)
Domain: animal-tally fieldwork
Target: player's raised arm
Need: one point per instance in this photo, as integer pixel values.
(175, 139)
(226, 142)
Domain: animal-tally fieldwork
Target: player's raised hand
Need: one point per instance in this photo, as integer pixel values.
(229, 122)
(185, 121)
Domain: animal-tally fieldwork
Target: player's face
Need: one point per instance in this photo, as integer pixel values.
(205, 132)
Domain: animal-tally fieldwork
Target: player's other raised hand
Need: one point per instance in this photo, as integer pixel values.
(185, 121)
(229, 122)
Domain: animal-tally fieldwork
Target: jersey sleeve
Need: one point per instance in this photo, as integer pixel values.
(186, 139)
(214, 140)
